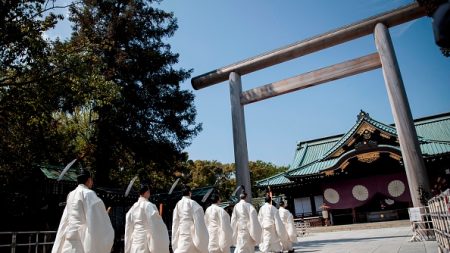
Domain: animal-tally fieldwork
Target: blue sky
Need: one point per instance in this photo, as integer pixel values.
(214, 34)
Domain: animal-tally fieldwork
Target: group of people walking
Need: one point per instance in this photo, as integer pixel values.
(85, 226)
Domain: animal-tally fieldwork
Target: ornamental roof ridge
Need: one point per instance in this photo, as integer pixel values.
(361, 118)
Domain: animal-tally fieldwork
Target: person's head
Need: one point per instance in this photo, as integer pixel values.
(268, 199)
(187, 191)
(144, 191)
(243, 195)
(85, 178)
(215, 198)
(282, 203)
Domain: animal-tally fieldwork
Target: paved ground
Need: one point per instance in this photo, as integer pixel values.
(380, 240)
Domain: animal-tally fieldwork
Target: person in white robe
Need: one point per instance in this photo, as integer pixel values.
(246, 227)
(273, 230)
(288, 221)
(218, 223)
(189, 232)
(145, 231)
(85, 226)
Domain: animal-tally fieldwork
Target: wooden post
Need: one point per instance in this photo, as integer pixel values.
(239, 136)
(407, 135)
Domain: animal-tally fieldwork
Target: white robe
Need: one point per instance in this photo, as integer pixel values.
(220, 232)
(246, 227)
(273, 231)
(189, 233)
(145, 231)
(288, 221)
(85, 226)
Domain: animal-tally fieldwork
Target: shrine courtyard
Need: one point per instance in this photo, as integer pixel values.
(387, 237)
(367, 240)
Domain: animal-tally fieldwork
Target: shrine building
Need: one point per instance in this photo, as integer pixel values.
(359, 175)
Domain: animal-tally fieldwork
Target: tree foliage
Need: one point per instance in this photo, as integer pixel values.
(108, 95)
(213, 173)
(23, 49)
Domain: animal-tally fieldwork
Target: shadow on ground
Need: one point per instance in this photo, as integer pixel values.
(319, 243)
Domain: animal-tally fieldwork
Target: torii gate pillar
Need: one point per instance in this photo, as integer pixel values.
(407, 135)
(239, 135)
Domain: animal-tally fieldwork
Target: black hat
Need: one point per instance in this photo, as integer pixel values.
(243, 194)
(186, 190)
(83, 176)
(84, 172)
(144, 188)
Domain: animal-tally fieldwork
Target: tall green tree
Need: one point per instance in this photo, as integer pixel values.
(151, 119)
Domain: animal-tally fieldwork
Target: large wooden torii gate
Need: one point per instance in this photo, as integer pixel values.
(384, 58)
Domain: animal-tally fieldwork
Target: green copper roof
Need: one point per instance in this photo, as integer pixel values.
(437, 129)
(309, 152)
(434, 148)
(313, 168)
(278, 179)
(311, 156)
(53, 172)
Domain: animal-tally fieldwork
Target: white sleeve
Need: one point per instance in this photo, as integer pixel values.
(59, 240)
(290, 228)
(281, 230)
(255, 228)
(175, 224)
(234, 226)
(226, 231)
(159, 236)
(200, 237)
(129, 227)
(100, 237)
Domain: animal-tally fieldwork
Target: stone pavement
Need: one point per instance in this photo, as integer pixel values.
(377, 240)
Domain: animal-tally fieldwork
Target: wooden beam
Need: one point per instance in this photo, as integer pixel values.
(314, 44)
(330, 73)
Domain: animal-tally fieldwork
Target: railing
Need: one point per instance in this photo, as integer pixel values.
(302, 227)
(440, 215)
(421, 224)
(30, 241)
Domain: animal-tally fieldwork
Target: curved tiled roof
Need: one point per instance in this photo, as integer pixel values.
(313, 168)
(309, 152)
(278, 179)
(311, 156)
(434, 148)
(437, 129)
